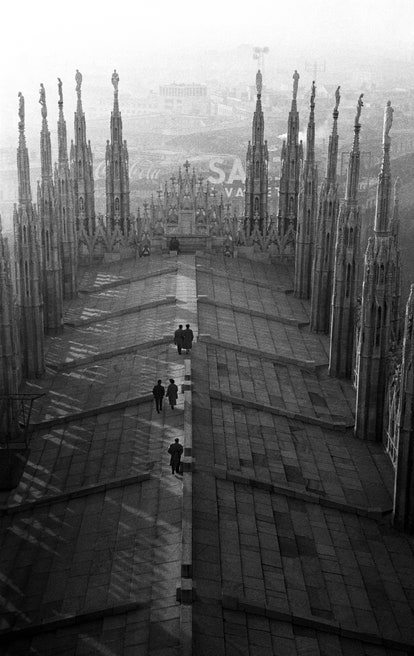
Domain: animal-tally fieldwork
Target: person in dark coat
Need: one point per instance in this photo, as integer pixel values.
(158, 392)
(188, 337)
(175, 450)
(172, 393)
(174, 245)
(178, 338)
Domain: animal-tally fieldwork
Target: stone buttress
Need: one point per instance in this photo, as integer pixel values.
(81, 164)
(403, 511)
(257, 161)
(308, 203)
(377, 306)
(65, 208)
(325, 234)
(10, 375)
(50, 231)
(117, 170)
(28, 264)
(344, 292)
(291, 158)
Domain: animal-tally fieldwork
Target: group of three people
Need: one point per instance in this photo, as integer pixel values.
(175, 450)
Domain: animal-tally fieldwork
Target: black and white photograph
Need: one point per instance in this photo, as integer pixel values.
(206, 328)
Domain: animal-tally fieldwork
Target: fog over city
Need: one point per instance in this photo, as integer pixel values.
(161, 42)
(366, 47)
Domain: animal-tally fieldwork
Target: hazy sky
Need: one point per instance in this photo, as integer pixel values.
(96, 32)
(39, 42)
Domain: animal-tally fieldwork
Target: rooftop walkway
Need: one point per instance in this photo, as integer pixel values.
(275, 539)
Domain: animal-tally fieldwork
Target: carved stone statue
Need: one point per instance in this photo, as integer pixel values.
(313, 92)
(387, 121)
(359, 107)
(42, 101)
(259, 82)
(337, 99)
(21, 110)
(115, 80)
(78, 78)
(60, 90)
(295, 84)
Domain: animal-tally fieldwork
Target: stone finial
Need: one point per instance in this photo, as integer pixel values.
(295, 84)
(42, 101)
(78, 78)
(397, 186)
(388, 112)
(337, 99)
(115, 80)
(259, 82)
(21, 111)
(313, 92)
(60, 91)
(360, 105)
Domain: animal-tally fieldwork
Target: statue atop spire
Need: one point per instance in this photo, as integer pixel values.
(387, 122)
(115, 80)
(78, 78)
(337, 99)
(21, 111)
(295, 84)
(359, 107)
(60, 91)
(259, 83)
(42, 101)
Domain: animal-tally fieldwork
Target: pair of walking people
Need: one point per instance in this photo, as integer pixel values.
(183, 338)
(159, 392)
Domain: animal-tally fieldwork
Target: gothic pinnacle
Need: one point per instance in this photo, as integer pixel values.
(357, 124)
(333, 141)
(384, 178)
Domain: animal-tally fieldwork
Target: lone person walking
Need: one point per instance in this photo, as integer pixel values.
(178, 338)
(188, 337)
(175, 450)
(172, 393)
(158, 391)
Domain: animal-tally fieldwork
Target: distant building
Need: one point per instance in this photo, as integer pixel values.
(184, 98)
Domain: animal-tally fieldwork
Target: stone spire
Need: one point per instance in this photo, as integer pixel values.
(10, 376)
(382, 216)
(396, 297)
(65, 207)
(82, 169)
(376, 307)
(257, 160)
(117, 170)
(291, 159)
(51, 264)
(308, 202)
(28, 264)
(23, 169)
(323, 265)
(344, 293)
(403, 510)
